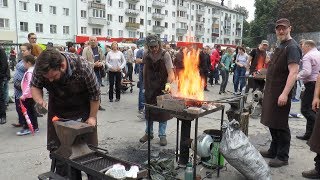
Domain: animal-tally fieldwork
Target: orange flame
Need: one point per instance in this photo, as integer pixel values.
(190, 84)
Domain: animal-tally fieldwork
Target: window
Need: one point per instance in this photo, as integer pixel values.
(209, 11)
(120, 19)
(96, 31)
(38, 8)
(23, 26)
(53, 10)
(65, 29)
(120, 4)
(23, 6)
(166, 12)
(4, 3)
(83, 14)
(109, 2)
(132, 34)
(166, 25)
(172, 38)
(83, 30)
(141, 8)
(141, 21)
(208, 31)
(173, 14)
(173, 25)
(120, 33)
(99, 13)
(53, 29)
(141, 34)
(39, 28)
(4, 23)
(192, 7)
(66, 11)
(191, 17)
(132, 6)
(180, 38)
(149, 9)
(109, 17)
(132, 19)
(109, 32)
(102, 13)
(149, 22)
(174, 2)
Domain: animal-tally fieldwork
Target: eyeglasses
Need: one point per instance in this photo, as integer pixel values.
(283, 28)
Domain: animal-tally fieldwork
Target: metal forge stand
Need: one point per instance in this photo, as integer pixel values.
(185, 140)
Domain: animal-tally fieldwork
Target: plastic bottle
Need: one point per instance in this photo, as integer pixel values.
(188, 175)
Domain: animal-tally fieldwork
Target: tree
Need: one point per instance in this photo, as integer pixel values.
(242, 10)
(302, 14)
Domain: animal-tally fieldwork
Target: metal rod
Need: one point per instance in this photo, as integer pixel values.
(219, 154)
(195, 149)
(149, 144)
(91, 160)
(177, 140)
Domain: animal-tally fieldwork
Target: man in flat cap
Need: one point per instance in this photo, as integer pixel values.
(281, 76)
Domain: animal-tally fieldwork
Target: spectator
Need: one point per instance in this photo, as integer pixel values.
(3, 74)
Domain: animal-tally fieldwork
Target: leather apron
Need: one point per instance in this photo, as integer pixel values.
(274, 116)
(314, 141)
(68, 99)
(156, 76)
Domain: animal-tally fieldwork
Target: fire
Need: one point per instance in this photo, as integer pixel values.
(190, 84)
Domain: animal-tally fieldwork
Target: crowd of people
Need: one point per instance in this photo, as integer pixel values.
(73, 80)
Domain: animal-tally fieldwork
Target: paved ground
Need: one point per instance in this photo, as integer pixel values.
(119, 131)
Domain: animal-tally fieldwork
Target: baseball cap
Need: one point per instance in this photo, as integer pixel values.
(283, 22)
(265, 42)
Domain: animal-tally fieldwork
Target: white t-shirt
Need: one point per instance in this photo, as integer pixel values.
(242, 59)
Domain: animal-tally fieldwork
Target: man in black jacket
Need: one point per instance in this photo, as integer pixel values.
(204, 65)
(3, 75)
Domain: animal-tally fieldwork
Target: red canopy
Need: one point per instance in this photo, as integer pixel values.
(82, 39)
(186, 44)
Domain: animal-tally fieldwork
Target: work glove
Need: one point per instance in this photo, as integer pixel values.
(167, 88)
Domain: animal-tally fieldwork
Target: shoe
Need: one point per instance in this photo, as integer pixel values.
(141, 111)
(267, 154)
(163, 141)
(277, 163)
(111, 100)
(16, 125)
(37, 130)
(145, 138)
(312, 174)
(220, 92)
(3, 120)
(206, 89)
(217, 83)
(101, 108)
(23, 132)
(294, 100)
(304, 137)
(117, 100)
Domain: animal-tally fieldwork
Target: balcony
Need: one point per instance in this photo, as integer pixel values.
(158, 4)
(215, 34)
(182, 8)
(158, 16)
(199, 32)
(200, 12)
(96, 5)
(133, 1)
(158, 29)
(132, 12)
(216, 26)
(97, 21)
(182, 19)
(132, 25)
(181, 31)
(200, 22)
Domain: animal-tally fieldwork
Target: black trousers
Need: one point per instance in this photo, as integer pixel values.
(2, 103)
(29, 104)
(225, 77)
(130, 71)
(280, 143)
(114, 79)
(317, 164)
(204, 76)
(306, 106)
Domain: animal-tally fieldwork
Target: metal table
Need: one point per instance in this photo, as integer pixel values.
(185, 118)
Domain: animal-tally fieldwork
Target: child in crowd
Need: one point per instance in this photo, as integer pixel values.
(26, 98)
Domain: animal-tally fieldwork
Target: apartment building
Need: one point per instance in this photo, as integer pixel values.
(173, 20)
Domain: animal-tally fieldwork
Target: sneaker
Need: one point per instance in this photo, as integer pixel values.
(37, 130)
(23, 132)
(163, 141)
(141, 111)
(117, 100)
(145, 138)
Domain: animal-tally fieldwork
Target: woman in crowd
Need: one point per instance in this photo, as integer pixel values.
(115, 62)
(241, 64)
(226, 60)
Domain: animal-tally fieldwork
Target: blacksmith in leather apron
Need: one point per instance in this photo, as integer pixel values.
(273, 115)
(314, 141)
(70, 98)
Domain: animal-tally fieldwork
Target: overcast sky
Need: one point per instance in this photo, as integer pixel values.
(248, 4)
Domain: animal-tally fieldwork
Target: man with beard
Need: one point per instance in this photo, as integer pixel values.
(281, 76)
(73, 94)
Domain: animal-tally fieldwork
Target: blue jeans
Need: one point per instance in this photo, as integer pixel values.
(162, 128)
(141, 96)
(239, 74)
(98, 74)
